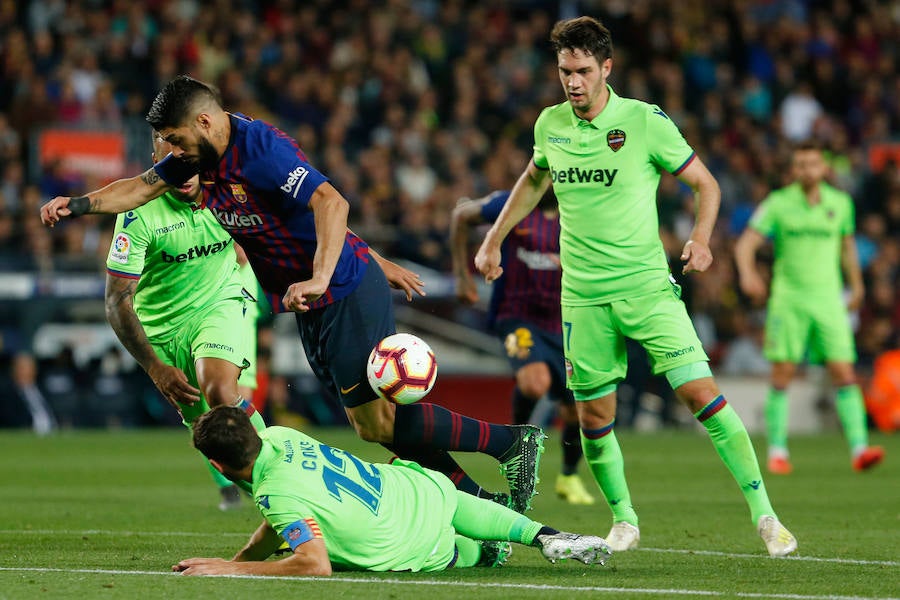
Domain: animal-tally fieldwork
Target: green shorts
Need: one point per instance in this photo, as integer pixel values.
(594, 338)
(218, 333)
(820, 326)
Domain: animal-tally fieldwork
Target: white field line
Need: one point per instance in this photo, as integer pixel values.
(466, 584)
(844, 561)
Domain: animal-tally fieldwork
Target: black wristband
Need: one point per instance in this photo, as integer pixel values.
(79, 205)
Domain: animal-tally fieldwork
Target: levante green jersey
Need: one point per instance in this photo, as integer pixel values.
(182, 257)
(371, 517)
(807, 240)
(605, 173)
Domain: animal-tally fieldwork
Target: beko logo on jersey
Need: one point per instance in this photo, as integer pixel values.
(232, 220)
(576, 175)
(295, 178)
(195, 252)
(538, 261)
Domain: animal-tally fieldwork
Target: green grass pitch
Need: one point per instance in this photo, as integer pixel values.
(105, 514)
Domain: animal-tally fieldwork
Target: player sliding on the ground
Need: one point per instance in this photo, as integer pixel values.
(338, 512)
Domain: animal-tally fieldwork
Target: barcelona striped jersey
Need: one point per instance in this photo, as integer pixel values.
(259, 193)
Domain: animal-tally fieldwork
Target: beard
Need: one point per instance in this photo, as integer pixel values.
(207, 157)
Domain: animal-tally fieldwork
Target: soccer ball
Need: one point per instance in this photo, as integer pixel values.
(402, 368)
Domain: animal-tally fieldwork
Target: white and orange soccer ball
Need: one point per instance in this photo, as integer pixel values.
(402, 368)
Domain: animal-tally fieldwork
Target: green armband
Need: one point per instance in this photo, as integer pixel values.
(79, 205)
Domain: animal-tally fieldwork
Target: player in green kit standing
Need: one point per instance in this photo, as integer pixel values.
(176, 301)
(337, 512)
(806, 309)
(604, 155)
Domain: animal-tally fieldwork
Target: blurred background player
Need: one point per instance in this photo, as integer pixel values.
(524, 312)
(176, 301)
(811, 225)
(339, 512)
(604, 155)
(292, 223)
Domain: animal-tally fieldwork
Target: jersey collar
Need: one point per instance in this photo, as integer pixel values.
(611, 105)
(267, 454)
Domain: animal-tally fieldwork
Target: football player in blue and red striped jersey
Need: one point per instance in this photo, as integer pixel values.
(524, 312)
(292, 223)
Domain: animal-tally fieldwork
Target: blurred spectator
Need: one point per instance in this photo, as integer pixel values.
(23, 404)
(744, 354)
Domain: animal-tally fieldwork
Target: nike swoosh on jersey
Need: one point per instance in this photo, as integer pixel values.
(349, 389)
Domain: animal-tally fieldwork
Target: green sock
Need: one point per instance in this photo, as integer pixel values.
(776, 412)
(604, 457)
(255, 418)
(852, 413)
(728, 435)
(482, 519)
(469, 552)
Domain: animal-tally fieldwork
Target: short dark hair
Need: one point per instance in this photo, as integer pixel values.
(582, 33)
(808, 145)
(173, 103)
(226, 435)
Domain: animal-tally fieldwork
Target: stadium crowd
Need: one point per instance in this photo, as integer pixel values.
(412, 104)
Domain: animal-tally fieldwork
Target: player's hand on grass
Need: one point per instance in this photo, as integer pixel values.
(401, 278)
(205, 566)
(54, 211)
(300, 294)
(697, 257)
(172, 383)
(487, 261)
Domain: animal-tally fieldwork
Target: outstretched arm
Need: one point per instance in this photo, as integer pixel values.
(525, 195)
(170, 381)
(309, 559)
(117, 197)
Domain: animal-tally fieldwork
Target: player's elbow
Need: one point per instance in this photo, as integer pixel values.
(315, 564)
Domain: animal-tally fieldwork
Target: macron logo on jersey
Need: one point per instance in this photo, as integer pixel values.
(294, 181)
(576, 175)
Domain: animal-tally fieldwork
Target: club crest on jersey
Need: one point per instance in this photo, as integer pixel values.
(237, 190)
(615, 139)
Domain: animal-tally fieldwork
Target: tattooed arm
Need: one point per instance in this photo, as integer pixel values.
(117, 197)
(170, 381)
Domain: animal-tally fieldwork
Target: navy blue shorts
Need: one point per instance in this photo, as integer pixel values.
(338, 338)
(526, 343)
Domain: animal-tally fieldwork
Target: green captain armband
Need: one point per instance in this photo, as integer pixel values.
(79, 205)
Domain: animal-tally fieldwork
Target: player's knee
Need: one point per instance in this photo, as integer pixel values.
(373, 433)
(533, 381)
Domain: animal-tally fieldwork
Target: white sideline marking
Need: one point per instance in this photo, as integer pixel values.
(515, 586)
(845, 561)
